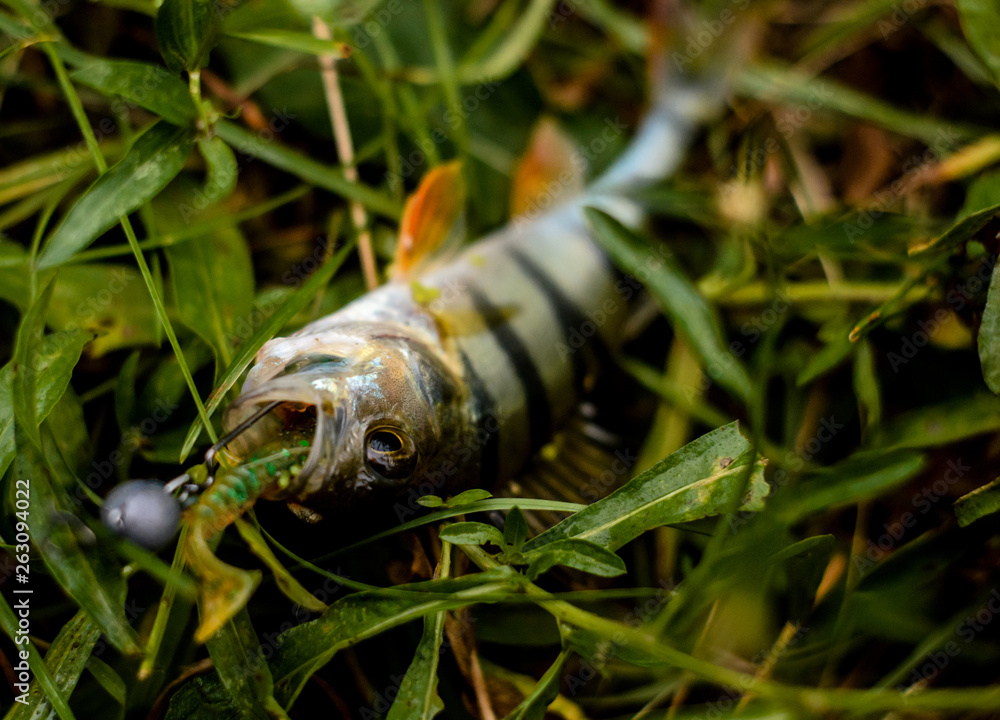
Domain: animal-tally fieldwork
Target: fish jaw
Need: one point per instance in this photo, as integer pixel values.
(338, 393)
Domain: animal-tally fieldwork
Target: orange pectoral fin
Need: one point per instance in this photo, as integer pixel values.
(430, 214)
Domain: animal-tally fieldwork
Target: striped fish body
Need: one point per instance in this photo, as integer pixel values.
(455, 380)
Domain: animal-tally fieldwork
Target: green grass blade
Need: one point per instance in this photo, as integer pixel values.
(36, 663)
(302, 42)
(690, 314)
(534, 705)
(418, 698)
(66, 659)
(308, 170)
(237, 656)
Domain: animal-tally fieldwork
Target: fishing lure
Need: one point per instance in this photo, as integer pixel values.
(452, 375)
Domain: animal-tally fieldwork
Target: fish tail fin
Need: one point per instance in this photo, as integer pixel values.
(686, 92)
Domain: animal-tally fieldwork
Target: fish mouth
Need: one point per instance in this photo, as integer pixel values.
(302, 413)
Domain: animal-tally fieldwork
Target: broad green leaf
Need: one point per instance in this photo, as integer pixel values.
(30, 334)
(109, 301)
(691, 316)
(575, 553)
(534, 705)
(306, 648)
(203, 697)
(238, 659)
(302, 42)
(277, 320)
(515, 529)
(978, 504)
(65, 436)
(151, 163)
(40, 671)
(83, 568)
(223, 170)
(53, 365)
(697, 481)
(148, 86)
(66, 658)
(980, 21)
(187, 30)
(472, 533)
(469, 496)
(463, 498)
(988, 341)
(417, 698)
(213, 287)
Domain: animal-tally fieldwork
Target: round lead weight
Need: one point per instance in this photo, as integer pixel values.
(141, 511)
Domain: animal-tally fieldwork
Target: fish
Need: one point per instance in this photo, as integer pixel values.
(457, 376)
(452, 375)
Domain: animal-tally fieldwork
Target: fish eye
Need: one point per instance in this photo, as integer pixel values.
(390, 452)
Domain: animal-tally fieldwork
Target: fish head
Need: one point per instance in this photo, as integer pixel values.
(377, 408)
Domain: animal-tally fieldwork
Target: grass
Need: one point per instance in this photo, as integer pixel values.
(170, 173)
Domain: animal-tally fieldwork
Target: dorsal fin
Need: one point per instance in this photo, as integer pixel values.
(431, 216)
(550, 171)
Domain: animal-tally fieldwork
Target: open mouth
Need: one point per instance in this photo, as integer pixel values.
(288, 425)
